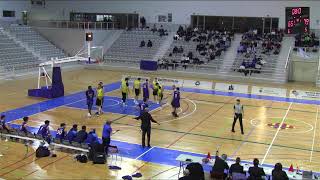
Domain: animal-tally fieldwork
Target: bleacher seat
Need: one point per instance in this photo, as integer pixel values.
(34, 40)
(126, 47)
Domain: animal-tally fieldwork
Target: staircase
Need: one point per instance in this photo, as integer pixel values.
(318, 75)
(25, 45)
(164, 47)
(230, 55)
(280, 73)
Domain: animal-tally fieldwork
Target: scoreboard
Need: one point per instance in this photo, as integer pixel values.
(297, 20)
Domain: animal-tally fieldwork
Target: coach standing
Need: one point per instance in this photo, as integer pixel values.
(146, 120)
(238, 114)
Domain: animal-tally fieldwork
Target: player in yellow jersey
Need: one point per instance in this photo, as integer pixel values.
(124, 90)
(160, 93)
(155, 89)
(99, 101)
(137, 89)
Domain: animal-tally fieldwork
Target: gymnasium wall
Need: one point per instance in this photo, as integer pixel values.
(14, 5)
(303, 70)
(73, 40)
(181, 10)
(70, 40)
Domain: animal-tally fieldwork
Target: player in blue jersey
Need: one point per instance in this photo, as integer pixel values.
(90, 97)
(44, 131)
(143, 106)
(61, 132)
(175, 103)
(145, 89)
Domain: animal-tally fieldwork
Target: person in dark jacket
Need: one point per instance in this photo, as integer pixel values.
(220, 165)
(193, 171)
(146, 120)
(278, 173)
(81, 135)
(236, 167)
(255, 172)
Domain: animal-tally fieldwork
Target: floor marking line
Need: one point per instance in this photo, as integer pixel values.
(144, 153)
(275, 136)
(185, 133)
(243, 142)
(314, 134)
(63, 157)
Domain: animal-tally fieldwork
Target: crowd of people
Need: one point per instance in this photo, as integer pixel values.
(253, 46)
(210, 45)
(222, 171)
(306, 40)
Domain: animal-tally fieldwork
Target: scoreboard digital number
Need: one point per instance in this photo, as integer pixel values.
(297, 20)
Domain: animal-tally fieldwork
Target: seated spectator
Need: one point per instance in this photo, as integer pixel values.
(142, 43)
(44, 131)
(149, 44)
(255, 172)
(193, 171)
(23, 127)
(278, 173)
(81, 135)
(92, 137)
(61, 133)
(180, 50)
(175, 50)
(72, 133)
(3, 125)
(236, 169)
(219, 167)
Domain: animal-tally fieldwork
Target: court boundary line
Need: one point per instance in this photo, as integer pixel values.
(275, 136)
(142, 154)
(314, 134)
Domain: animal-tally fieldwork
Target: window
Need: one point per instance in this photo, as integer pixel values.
(8, 13)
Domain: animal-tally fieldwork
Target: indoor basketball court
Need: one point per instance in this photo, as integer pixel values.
(204, 124)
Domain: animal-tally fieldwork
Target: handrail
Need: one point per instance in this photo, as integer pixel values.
(288, 58)
(318, 69)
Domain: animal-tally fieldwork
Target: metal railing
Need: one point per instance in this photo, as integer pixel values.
(75, 24)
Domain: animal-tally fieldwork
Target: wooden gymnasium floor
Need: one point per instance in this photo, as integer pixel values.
(204, 124)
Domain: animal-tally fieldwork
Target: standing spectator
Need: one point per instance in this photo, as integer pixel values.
(72, 133)
(143, 22)
(146, 120)
(81, 135)
(220, 165)
(106, 135)
(278, 173)
(255, 172)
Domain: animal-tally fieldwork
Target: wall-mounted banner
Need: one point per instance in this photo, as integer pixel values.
(269, 91)
(300, 94)
(239, 88)
(198, 84)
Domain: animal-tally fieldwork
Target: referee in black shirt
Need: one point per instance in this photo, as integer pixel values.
(146, 120)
